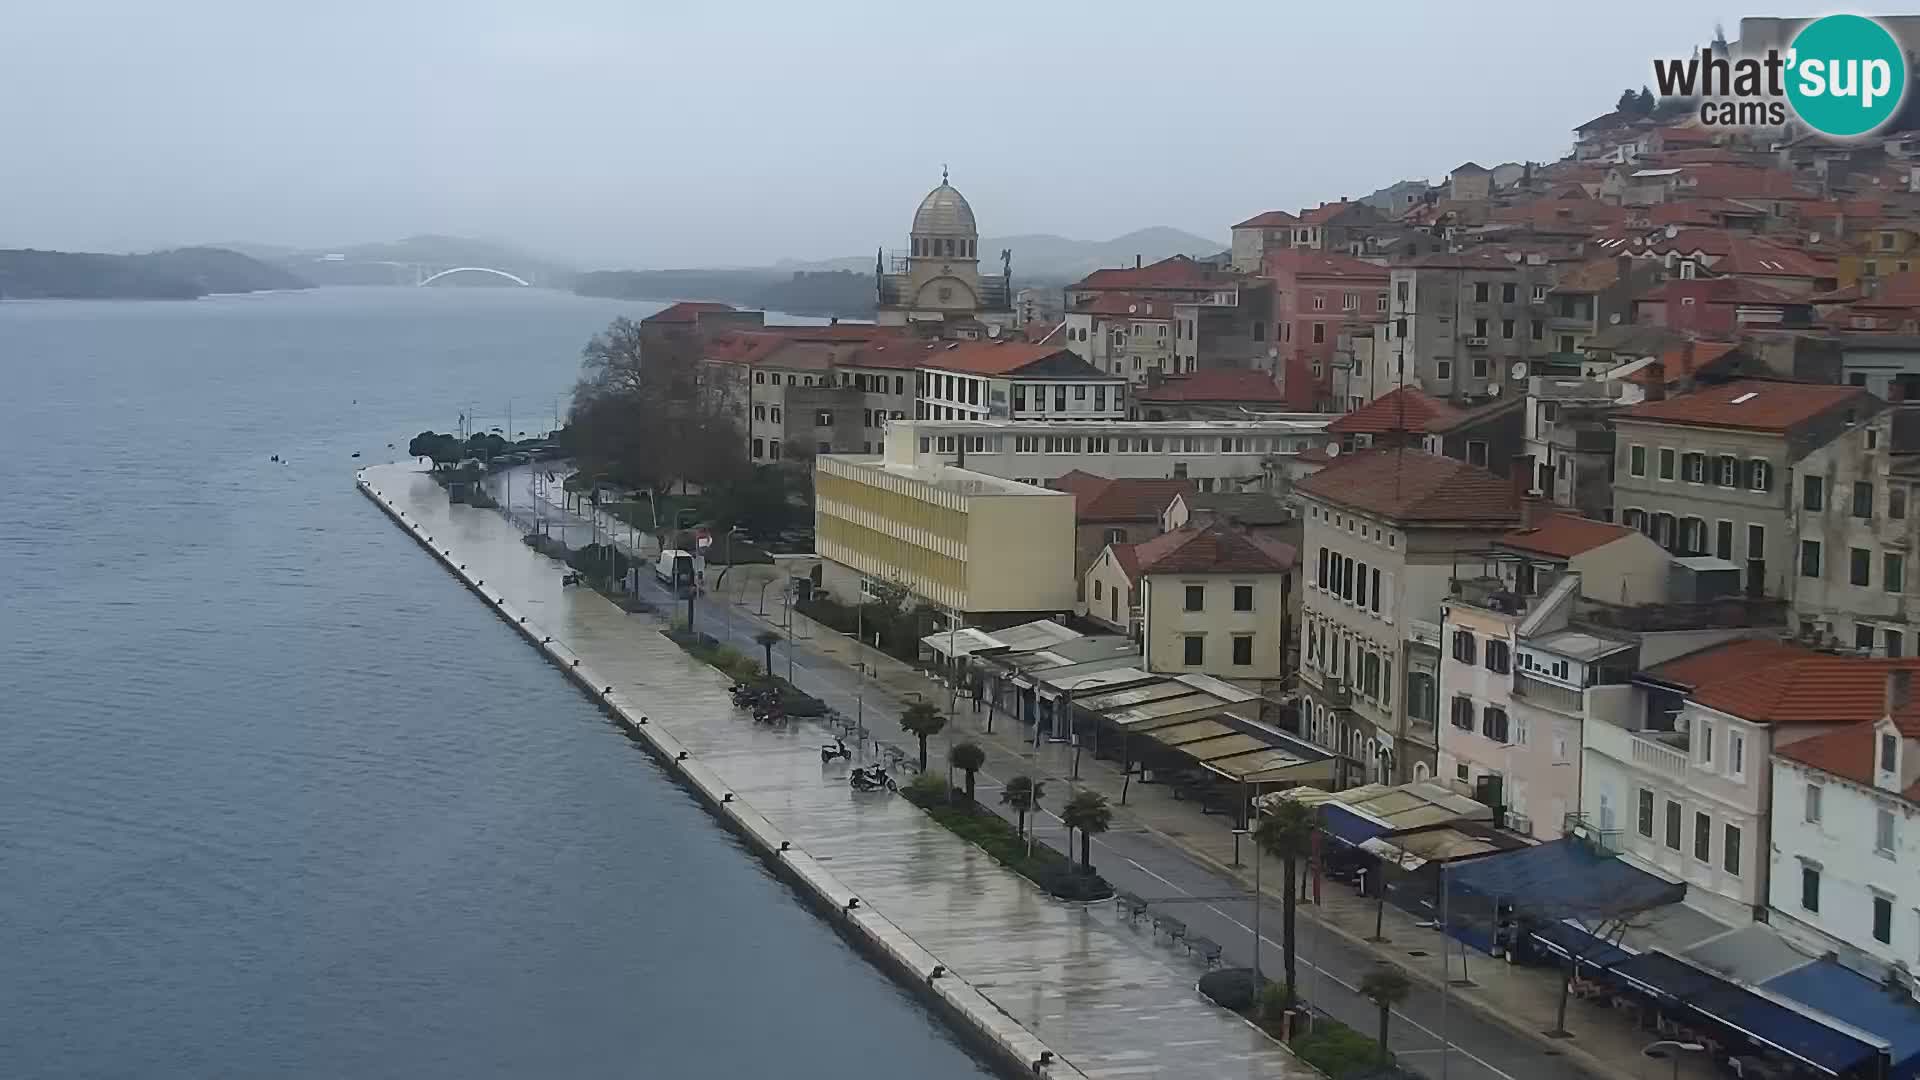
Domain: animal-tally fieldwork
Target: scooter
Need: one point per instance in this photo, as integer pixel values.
(871, 778)
(769, 714)
(837, 750)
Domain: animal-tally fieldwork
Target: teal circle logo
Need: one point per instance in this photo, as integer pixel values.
(1846, 75)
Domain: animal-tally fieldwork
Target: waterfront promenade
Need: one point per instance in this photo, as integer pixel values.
(1106, 996)
(1168, 851)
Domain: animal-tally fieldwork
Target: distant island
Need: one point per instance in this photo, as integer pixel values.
(181, 274)
(840, 293)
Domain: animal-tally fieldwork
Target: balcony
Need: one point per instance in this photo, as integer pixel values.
(1549, 695)
(1647, 751)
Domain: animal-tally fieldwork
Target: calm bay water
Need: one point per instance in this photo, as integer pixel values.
(277, 798)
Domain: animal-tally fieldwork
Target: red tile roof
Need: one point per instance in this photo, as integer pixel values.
(1234, 385)
(1564, 535)
(1305, 262)
(1734, 181)
(989, 357)
(1900, 291)
(1747, 404)
(1761, 258)
(1325, 212)
(1269, 220)
(1849, 752)
(1102, 498)
(1128, 558)
(1594, 275)
(1410, 485)
(1676, 366)
(1772, 682)
(1173, 272)
(1128, 304)
(686, 311)
(1216, 549)
(1407, 408)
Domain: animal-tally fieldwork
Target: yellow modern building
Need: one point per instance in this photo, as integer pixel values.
(960, 540)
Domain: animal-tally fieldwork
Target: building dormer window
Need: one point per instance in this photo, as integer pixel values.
(1889, 756)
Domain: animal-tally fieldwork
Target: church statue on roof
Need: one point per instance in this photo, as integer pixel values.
(937, 278)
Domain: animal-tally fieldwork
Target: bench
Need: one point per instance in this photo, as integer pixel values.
(1176, 930)
(1207, 949)
(1130, 905)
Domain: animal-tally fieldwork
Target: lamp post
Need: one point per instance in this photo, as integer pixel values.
(1257, 905)
(1652, 1050)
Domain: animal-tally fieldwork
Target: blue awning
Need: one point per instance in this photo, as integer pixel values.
(1567, 941)
(1860, 1002)
(1348, 827)
(1761, 1020)
(1563, 879)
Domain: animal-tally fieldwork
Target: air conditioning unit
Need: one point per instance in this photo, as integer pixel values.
(1476, 343)
(1520, 823)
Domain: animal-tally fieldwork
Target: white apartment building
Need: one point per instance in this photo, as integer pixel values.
(1011, 380)
(1852, 521)
(1683, 776)
(1846, 832)
(1218, 455)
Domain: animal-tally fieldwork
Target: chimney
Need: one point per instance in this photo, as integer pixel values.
(1520, 478)
(1656, 381)
(1686, 367)
(1623, 266)
(1899, 690)
(1136, 260)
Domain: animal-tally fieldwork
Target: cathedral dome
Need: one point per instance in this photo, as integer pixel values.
(944, 212)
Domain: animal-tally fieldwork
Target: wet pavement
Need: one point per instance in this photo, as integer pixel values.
(1112, 997)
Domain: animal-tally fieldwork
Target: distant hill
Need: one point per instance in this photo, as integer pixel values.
(391, 262)
(181, 274)
(808, 292)
(1046, 259)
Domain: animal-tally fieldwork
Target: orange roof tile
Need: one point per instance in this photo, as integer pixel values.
(1173, 272)
(1128, 558)
(686, 311)
(1102, 498)
(1128, 304)
(1216, 549)
(1233, 385)
(1269, 220)
(1564, 535)
(991, 357)
(1773, 682)
(1410, 485)
(1305, 262)
(1406, 408)
(1747, 404)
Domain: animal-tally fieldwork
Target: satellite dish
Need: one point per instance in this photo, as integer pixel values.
(1333, 449)
(993, 329)
(1519, 369)
(1494, 390)
(1272, 352)
(1133, 309)
(1673, 231)
(1614, 319)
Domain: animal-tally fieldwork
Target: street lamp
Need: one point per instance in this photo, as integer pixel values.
(1257, 905)
(1652, 1050)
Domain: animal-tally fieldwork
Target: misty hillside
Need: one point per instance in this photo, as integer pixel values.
(1045, 258)
(844, 293)
(181, 274)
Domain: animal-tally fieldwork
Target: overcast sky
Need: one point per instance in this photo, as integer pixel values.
(637, 133)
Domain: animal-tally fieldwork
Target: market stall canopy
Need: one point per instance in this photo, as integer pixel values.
(1829, 1045)
(1565, 878)
(968, 640)
(1412, 851)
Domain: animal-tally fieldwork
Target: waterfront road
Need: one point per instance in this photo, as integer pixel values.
(1145, 862)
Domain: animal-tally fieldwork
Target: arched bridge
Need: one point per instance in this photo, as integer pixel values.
(515, 278)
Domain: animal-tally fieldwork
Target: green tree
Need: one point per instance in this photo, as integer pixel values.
(1386, 987)
(1023, 793)
(1088, 812)
(1644, 103)
(968, 758)
(767, 639)
(923, 722)
(1628, 102)
(1287, 834)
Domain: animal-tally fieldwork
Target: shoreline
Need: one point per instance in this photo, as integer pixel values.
(1009, 1048)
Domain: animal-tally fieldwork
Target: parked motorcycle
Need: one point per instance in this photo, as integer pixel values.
(871, 778)
(837, 750)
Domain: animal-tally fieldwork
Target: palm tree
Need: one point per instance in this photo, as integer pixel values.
(1087, 811)
(1288, 834)
(1386, 986)
(968, 758)
(767, 639)
(1023, 793)
(922, 721)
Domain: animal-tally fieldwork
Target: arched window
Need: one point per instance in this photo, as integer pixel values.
(1420, 773)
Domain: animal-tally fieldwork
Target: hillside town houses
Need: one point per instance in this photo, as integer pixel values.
(1583, 490)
